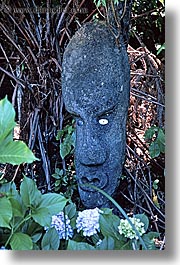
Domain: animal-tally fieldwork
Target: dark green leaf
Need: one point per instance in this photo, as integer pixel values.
(70, 210)
(107, 211)
(6, 138)
(35, 238)
(70, 129)
(106, 244)
(30, 194)
(7, 116)
(149, 133)
(35, 247)
(16, 207)
(73, 245)
(60, 133)
(5, 212)
(154, 149)
(65, 146)
(34, 230)
(109, 225)
(144, 219)
(116, 2)
(73, 139)
(149, 240)
(103, 2)
(161, 48)
(50, 240)
(118, 244)
(58, 173)
(127, 246)
(12, 152)
(41, 216)
(9, 188)
(57, 183)
(15, 153)
(20, 241)
(54, 202)
(161, 140)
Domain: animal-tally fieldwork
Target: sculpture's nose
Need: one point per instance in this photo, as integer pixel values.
(92, 150)
(93, 155)
(99, 180)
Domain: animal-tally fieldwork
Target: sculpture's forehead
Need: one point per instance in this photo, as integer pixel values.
(91, 84)
(92, 95)
(94, 69)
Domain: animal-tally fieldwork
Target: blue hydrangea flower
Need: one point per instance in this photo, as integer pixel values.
(88, 222)
(62, 225)
(2, 248)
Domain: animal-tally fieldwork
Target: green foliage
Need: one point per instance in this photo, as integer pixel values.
(99, 3)
(149, 24)
(64, 178)
(21, 241)
(149, 240)
(60, 179)
(110, 239)
(65, 147)
(25, 211)
(143, 218)
(30, 195)
(12, 152)
(157, 137)
(68, 136)
(160, 48)
(65, 181)
(73, 245)
(155, 184)
(50, 240)
(108, 243)
(5, 211)
(109, 224)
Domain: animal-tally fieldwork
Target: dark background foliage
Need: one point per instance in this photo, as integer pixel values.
(31, 50)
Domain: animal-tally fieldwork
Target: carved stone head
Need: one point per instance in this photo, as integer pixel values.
(95, 87)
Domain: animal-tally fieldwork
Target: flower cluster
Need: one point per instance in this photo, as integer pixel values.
(62, 225)
(88, 222)
(2, 248)
(126, 229)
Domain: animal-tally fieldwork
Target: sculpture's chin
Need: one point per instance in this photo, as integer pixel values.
(92, 198)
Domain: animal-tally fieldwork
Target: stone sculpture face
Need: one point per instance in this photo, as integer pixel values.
(95, 87)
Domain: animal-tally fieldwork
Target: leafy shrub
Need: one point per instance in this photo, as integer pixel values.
(13, 152)
(68, 136)
(31, 220)
(24, 213)
(156, 137)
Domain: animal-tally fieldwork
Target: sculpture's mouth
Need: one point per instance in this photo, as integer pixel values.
(86, 182)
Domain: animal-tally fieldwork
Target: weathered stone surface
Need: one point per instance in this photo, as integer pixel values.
(95, 87)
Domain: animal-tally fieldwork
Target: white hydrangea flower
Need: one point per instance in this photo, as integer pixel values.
(62, 225)
(126, 229)
(88, 221)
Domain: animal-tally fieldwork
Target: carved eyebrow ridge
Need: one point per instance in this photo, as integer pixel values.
(98, 114)
(107, 111)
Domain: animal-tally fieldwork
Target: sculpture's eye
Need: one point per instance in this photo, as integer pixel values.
(80, 122)
(103, 121)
